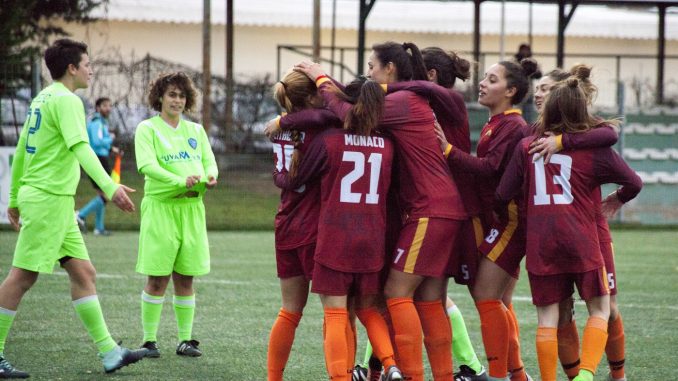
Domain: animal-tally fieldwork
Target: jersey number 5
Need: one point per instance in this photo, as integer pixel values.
(32, 128)
(563, 179)
(375, 168)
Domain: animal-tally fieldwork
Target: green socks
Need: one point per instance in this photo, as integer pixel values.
(584, 375)
(184, 310)
(461, 344)
(368, 354)
(6, 319)
(89, 312)
(151, 308)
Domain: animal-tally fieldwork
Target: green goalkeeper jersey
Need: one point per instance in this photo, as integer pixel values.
(179, 152)
(55, 123)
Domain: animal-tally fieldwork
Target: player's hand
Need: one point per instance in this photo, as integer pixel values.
(441, 136)
(311, 69)
(272, 128)
(191, 181)
(611, 205)
(544, 146)
(13, 216)
(211, 182)
(122, 200)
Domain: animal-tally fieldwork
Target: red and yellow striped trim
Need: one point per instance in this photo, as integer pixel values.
(418, 240)
(506, 236)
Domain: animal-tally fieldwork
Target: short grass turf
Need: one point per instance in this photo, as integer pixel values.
(238, 301)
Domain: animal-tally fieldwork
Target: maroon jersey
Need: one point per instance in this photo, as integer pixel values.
(498, 138)
(425, 184)
(562, 200)
(355, 176)
(450, 111)
(604, 235)
(296, 221)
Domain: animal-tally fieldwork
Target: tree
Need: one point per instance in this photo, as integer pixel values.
(25, 29)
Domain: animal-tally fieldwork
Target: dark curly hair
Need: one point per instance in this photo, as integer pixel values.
(181, 81)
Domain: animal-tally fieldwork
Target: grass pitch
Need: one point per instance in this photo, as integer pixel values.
(238, 301)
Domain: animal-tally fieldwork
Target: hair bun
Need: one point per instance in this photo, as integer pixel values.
(581, 71)
(572, 82)
(529, 66)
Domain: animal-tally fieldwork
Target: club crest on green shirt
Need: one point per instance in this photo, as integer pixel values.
(193, 143)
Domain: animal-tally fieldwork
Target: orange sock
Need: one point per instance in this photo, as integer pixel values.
(408, 337)
(351, 338)
(615, 347)
(593, 344)
(377, 331)
(568, 348)
(547, 352)
(494, 327)
(514, 360)
(336, 320)
(437, 338)
(280, 343)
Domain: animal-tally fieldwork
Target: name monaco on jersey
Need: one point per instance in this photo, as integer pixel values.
(364, 141)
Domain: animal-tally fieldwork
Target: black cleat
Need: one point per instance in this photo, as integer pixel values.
(189, 348)
(7, 370)
(467, 374)
(120, 357)
(153, 351)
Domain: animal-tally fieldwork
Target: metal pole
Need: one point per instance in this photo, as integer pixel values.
(529, 27)
(476, 44)
(229, 71)
(334, 33)
(561, 34)
(661, 54)
(316, 30)
(206, 69)
(502, 30)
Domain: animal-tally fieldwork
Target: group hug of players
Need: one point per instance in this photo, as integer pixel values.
(382, 203)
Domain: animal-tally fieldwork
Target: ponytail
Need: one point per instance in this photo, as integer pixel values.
(365, 115)
(295, 135)
(448, 66)
(417, 62)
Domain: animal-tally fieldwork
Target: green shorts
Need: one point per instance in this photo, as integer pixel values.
(173, 237)
(49, 231)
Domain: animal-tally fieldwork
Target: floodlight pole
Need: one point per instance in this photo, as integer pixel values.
(476, 44)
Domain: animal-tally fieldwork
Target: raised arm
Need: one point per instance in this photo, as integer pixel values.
(441, 99)
(603, 136)
(512, 179)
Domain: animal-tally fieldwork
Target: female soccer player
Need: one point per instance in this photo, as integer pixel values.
(296, 222)
(176, 159)
(354, 168)
(568, 337)
(561, 199)
(443, 69)
(505, 84)
(432, 206)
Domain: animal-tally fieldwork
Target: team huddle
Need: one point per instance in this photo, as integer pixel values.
(382, 202)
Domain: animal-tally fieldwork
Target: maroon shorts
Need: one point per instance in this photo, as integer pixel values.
(425, 246)
(337, 283)
(463, 265)
(504, 243)
(552, 289)
(295, 262)
(607, 249)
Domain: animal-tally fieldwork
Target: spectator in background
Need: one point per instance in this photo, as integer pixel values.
(527, 106)
(101, 141)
